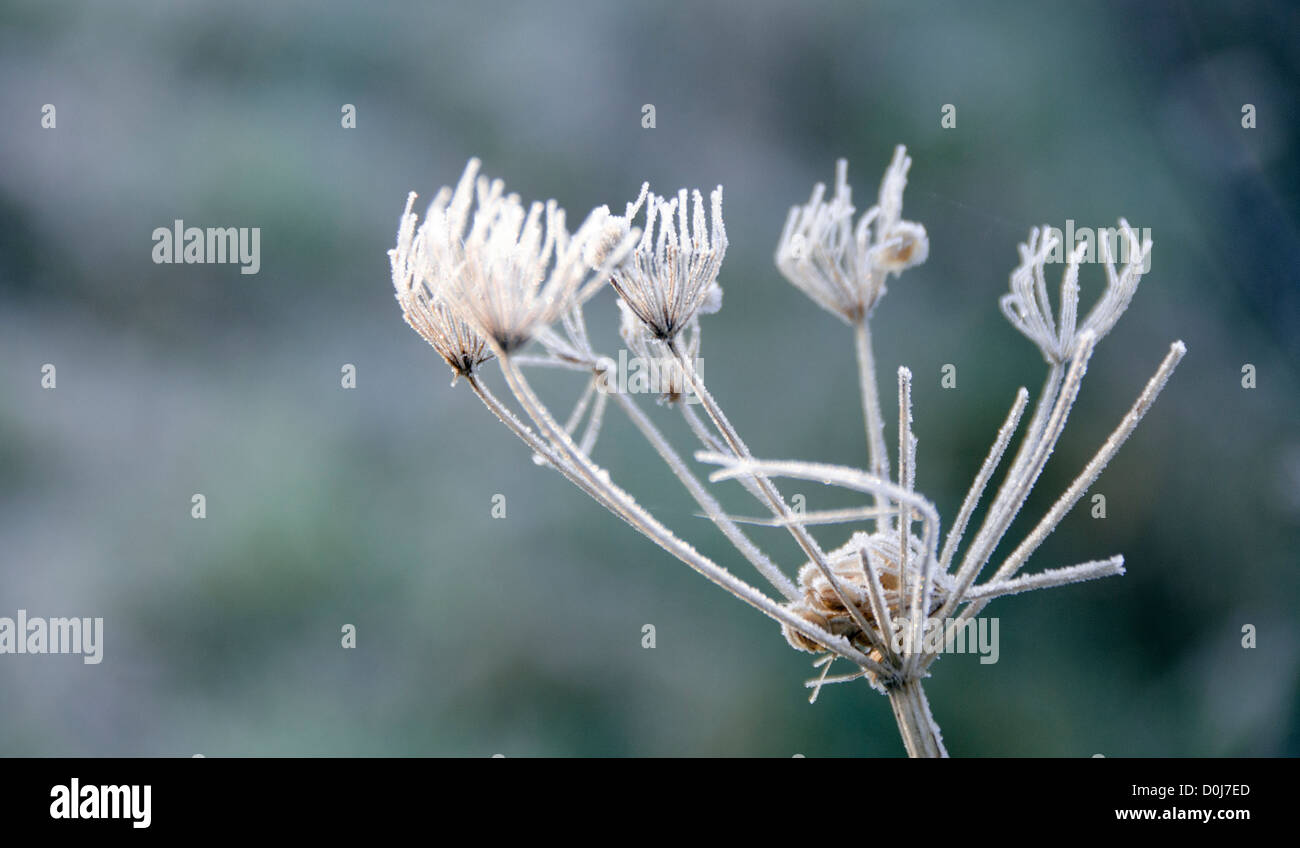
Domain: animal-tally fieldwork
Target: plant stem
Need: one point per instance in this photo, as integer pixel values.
(777, 503)
(596, 482)
(921, 735)
(706, 501)
(875, 424)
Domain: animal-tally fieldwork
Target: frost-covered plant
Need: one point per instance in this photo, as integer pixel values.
(486, 286)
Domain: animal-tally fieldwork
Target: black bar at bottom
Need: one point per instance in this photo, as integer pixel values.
(93, 797)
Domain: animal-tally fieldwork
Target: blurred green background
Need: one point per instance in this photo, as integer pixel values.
(522, 636)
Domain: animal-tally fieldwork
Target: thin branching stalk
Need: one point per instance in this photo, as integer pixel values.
(623, 505)
(706, 501)
(982, 478)
(1018, 483)
(527, 436)
(711, 442)
(599, 385)
(1048, 579)
(878, 457)
(1096, 465)
(849, 478)
(821, 516)
(1086, 478)
(770, 492)
(879, 609)
(918, 589)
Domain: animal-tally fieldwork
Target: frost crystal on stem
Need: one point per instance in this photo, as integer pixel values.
(482, 287)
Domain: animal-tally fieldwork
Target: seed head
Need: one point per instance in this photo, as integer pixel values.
(516, 270)
(424, 306)
(674, 268)
(820, 603)
(1027, 306)
(843, 267)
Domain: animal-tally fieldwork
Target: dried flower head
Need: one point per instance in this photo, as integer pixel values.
(841, 266)
(1027, 306)
(424, 305)
(674, 267)
(820, 602)
(516, 270)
